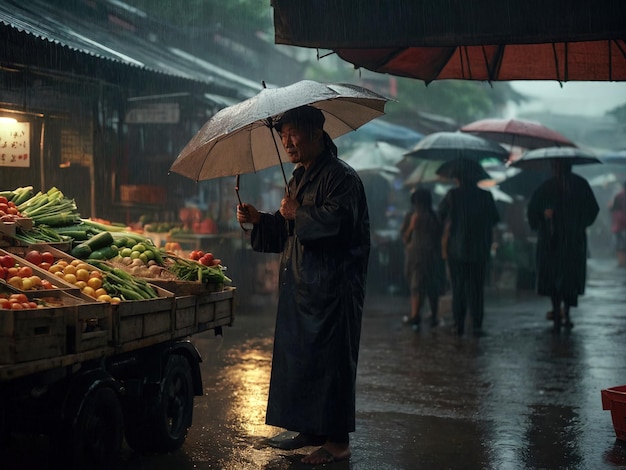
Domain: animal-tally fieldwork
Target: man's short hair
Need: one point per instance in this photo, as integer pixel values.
(302, 117)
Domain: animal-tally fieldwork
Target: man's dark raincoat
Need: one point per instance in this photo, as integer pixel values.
(322, 286)
(562, 242)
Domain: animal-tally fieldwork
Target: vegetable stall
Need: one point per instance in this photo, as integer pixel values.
(95, 330)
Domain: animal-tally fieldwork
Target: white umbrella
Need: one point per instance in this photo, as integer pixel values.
(375, 156)
(241, 138)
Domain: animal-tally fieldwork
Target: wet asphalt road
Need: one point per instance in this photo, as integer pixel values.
(519, 398)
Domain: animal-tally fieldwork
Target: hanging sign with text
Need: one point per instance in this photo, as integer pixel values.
(15, 144)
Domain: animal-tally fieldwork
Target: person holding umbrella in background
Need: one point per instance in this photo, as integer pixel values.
(560, 210)
(469, 215)
(322, 230)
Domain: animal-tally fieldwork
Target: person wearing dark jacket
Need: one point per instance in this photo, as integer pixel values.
(469, 215)
(560, 210)
(322, 231)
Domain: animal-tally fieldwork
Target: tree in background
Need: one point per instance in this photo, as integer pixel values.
(458, 101)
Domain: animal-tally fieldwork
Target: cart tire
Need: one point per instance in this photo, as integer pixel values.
(96, 436)
(161, 424)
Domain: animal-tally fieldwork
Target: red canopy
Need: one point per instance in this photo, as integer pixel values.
(479, 40)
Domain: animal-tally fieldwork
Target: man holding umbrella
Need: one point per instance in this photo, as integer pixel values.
(322, 231)
(560, 210)
(469, 215)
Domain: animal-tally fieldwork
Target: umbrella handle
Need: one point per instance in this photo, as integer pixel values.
(245, 229)
(270, 126)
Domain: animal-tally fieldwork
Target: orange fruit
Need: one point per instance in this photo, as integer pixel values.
(89, 291)
(55, 268)
(69, 269)
(94, 283)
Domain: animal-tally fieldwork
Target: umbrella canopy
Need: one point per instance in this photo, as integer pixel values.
(524, 182)
(480, 40)
(375, 156)
(463, 169)
(241, 138)
(441, 189)
(425, 172)
(383, 131)
(454, 145)
(518, 132)
(541, 159)
(617, 157)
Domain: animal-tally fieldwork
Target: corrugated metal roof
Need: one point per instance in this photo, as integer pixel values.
(50, 23)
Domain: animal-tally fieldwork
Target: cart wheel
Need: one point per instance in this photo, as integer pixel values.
(162, 425)
(95, 438)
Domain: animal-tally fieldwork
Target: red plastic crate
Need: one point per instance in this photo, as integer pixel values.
(614, 399)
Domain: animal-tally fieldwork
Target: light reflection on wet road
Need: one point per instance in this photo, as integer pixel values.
(519, 398)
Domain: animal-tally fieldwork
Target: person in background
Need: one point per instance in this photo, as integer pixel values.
(617, 207)
(322, 230)
(424, 268)
(469, 215)
(560, 210)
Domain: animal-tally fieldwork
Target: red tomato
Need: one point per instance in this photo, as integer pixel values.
(47, 257)
(45, 266)
(45, 284)
(205, 261)
(34, 257)
(17, 306)
(7, 261)
(25, 271)
(3, 200)
(3, 274)
(20, 298)
(5, 303)
(196, 254)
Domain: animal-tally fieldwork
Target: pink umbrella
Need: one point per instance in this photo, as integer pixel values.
(517, 132)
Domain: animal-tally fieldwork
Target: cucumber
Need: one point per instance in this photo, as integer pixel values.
(105, 253)
(121, 242)
(81, 251)
(84, 249)
(101, 240)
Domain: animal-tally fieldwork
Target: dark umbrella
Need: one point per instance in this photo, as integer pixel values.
(617, 157)
(542, 159)
(463, 169)
(454, 145)
(524, 183)
(479, 40)
(518, 132)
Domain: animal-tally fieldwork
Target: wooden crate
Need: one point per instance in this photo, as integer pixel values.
(10, 227)
(89, 326)
(184, 288)
(216, 309)
(185, 316)
(143, 194)
(140, 319)
(42, 273)
(39, 333)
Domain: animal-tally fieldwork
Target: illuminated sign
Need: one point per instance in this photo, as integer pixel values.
(15, 144)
